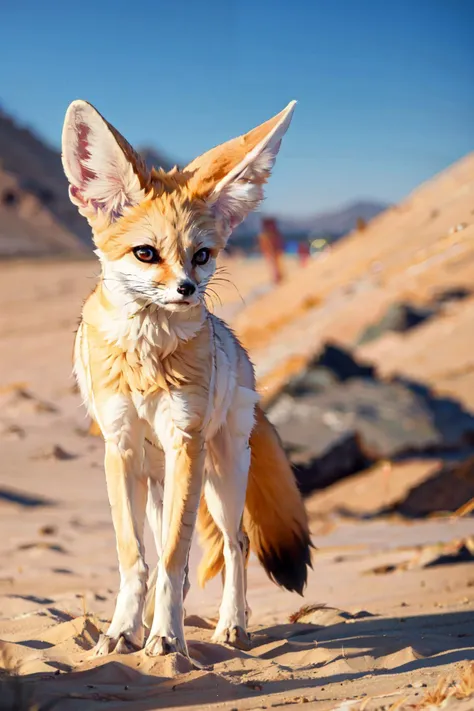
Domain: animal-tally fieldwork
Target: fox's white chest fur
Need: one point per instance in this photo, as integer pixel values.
(150, 335)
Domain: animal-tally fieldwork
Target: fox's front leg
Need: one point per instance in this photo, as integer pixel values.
(127, 490)
(183, 483)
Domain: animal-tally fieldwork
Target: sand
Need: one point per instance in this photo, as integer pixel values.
(380, 627)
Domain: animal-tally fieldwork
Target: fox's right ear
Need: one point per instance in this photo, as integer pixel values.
(104, 172)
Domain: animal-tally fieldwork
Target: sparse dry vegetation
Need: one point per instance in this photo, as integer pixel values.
(450, 689)
(303, 611)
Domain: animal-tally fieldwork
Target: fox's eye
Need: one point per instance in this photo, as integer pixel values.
(202, 256)
(146, 254)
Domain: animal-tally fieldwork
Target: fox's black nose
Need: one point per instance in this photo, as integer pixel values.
(186, 288)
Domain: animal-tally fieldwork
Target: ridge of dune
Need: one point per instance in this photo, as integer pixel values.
(424, 243)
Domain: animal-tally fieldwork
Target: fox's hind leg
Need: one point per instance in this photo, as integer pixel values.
(245, 547)
(225, 489)
(246, 555)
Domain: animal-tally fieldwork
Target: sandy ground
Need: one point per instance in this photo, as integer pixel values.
(390, 628)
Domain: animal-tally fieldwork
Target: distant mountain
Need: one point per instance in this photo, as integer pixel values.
(28, 227)
(334, 223)
(36, 215)
(339, 221)
(34, 184)
(154, 159)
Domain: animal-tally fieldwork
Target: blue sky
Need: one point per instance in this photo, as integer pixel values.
(385, 88)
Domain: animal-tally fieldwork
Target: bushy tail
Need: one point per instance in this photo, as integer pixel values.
(275, 518)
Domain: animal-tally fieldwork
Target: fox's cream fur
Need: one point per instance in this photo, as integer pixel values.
(169, 385)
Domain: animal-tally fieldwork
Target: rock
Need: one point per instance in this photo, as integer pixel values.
(448, 554)
(342, 363)
(336, 431)
(48, 530)
(449, 296)
(342, 457)
(399, 317)
(311, 380)
(455, 425)
(431, 556)
(320, 454)
(337, 417)
(55, 451)
(332, 365)
(447, 490)
(339, 431)
(372, 492)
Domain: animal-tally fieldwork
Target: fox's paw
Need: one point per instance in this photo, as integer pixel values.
(119, 645)
(160, 646)
(234, 636)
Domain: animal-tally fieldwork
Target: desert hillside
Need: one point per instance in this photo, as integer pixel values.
(37, 218)
(410, 253)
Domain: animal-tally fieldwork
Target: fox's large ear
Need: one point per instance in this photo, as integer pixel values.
(231, 176)
(104, 172)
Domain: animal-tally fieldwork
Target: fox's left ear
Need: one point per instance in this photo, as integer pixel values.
(231, 176)
(104, 172)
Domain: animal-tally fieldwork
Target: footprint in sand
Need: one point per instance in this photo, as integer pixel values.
(19, 401)
(12, 432)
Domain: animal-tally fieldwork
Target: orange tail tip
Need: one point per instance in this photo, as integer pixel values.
(275, 518)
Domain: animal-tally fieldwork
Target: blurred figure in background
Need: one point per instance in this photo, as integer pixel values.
(271, 246)
(303, 252)
(361, 224)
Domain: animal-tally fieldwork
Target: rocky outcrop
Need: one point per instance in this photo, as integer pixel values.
(337, 416)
